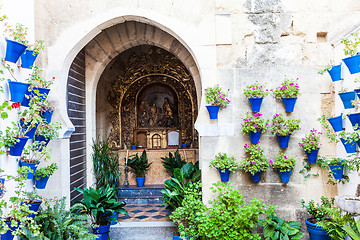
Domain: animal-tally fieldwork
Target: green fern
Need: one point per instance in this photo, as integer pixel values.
(172, 162)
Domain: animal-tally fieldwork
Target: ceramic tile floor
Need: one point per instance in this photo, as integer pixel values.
(145, 213)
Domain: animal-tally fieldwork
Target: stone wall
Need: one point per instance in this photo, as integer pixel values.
(233, 43)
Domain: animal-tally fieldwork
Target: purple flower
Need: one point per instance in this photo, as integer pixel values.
(285, 157)
(271, 161)
(267, 124)
(228, 89)
(255, 125)
(253, 162)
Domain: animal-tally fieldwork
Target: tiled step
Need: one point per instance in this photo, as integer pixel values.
(141, 195)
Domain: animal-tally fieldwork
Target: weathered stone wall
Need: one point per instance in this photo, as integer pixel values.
(233, 43)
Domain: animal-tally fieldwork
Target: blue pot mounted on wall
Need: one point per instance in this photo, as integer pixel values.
(312, 155)
(346, 98)
(140, 181)
(337, 170)
(335, 73)
(336, 123)
(213, 111)
(2, 185)
(224, 176)
(353, 63)
(316, 232)
(41, 92)
(34, 207)
(289, 104)
(47, 116)
(18, 147)
(8, 235)
(33, 167)
(255, 104)
(28, 59)
(354, 119)
(256, 177)
(41, 183)
(17, 90)
(255, 137)
(14, 50)
(283, 140)
(349, 147)
(45, 141)
(285, 176)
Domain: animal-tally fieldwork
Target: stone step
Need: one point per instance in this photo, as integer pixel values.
(141, 195)
(142, 230)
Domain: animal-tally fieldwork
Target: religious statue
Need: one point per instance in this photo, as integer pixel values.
(153, 115)
(168, 118)
(143, 116)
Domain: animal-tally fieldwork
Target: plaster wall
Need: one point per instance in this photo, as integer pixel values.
(233, 43)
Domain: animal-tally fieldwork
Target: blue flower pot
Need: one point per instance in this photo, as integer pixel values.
(2, 184)
(213, 111)
(34, 207)
(285, 176)
(140, 181)
(255, 104)
(8, 235)
(33, 166)
(47, 116)
(224, 175)
(41, 92)
(316, 232)
(113, 222)
(254, 137)
(256, 177)
(336, 123)
(14, 50)
(312, 155)
(18, 147)
(335, 73)
(353, 63)
(354, 119)
(42, 139)
(32, 131)
(102, 232)
(178, 237)
(289, 104)
(17, 90)
(133, 146)
(346, 98)
(283, 140)
(184, 145)
(41, 183)
(337, 170)
(28, 58)
(349, 147)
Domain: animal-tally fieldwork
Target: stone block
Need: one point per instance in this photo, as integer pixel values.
(263, 6)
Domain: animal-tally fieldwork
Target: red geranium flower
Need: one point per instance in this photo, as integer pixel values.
(15, 105)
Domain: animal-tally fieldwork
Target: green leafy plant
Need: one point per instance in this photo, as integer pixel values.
(48, 131)
(254, 123)
(317, 210)
(256, 90)
(215, 96)
(45, 171)
(329, 131)
(289, 88)
(328, 68)
(106, 166)
(34, 153)
(175, 187)
(222, 161)
(17, 33)
(255, 161)
(139, 165)
(278, 228)
(172, 162)
(100, 204)
(284, 126)
(354, 233)
(343, 90)
(311, 141)
(37, 46)
(36, 79)
(350, 47)
(283, 162)
(350, 137)
(229, 217)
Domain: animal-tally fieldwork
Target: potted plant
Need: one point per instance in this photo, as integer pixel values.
(317, 214)
(45, 133)
(216, 99)
(16, 42)
(278, 228)
(349, 140)
(34, 201)
(347, 98)
(42, 175)
(311, 145)
(350, 49)
(224, 165)
(100, 204)
(255, 93)
(336, 166)
(255, 162)
(254, 126)
(283, 128)
(106, 166)
(183, 145)
(40, 87)
(172, 162)
(354, 119)
(32, 157)
(139, 166)
(29, 55)
(46, 111)
(334, 72)
(284, 165)
(288, 91)
(133, 145)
